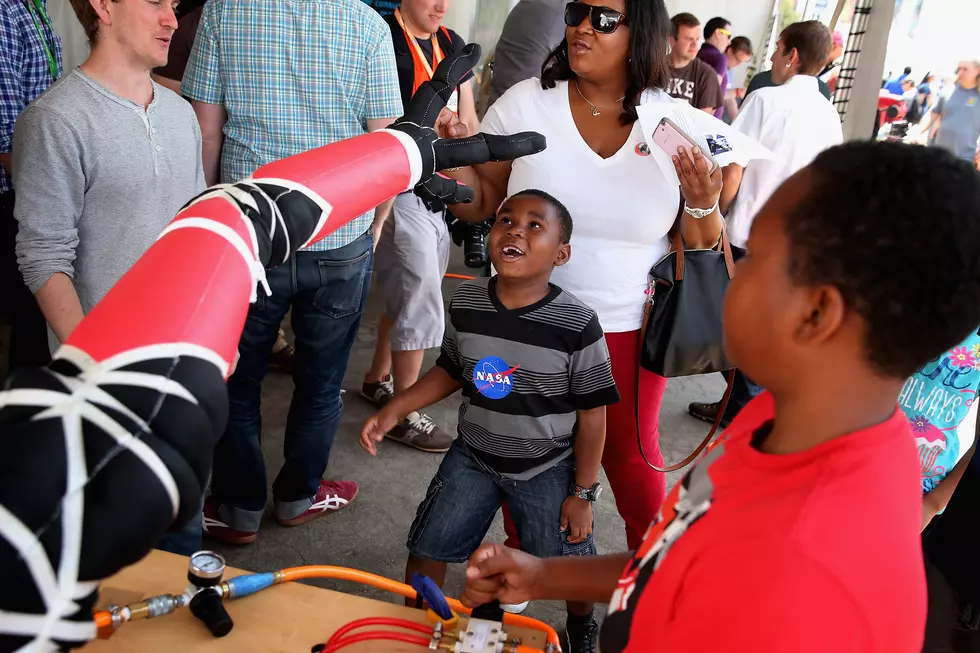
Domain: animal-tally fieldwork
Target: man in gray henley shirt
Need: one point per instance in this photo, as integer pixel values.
(103, 160)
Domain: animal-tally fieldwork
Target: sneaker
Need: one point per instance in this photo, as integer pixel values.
(282, 360)
(330, 497)
(514, 608)
(582, 633)
(708, 413)
(378, 392)
(419, 431)
(219, 530)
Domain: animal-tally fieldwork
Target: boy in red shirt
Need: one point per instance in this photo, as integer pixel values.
(798, 531)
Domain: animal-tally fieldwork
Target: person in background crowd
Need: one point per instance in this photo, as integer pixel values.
(613, 58)
(413, 250)
(532, 30)
(926, 92)
(913, 105)
(798, 530)
(894, 86)
(691, 79)
(954, 123)
(831, 71)
(103, 160)
(739, 52)
(717, 38)
(259, 102)
(765, 79)
(796, 123)
(282, 357)
(30, 62)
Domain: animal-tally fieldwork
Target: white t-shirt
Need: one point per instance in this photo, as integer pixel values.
(622, 207)
(797, 123)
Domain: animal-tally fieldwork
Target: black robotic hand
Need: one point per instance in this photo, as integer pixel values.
(440, 154)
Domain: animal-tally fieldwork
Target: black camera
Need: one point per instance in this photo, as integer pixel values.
(472, 237)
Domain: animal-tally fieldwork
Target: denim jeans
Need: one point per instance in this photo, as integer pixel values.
(744, 390)
(327, 292)
(464, 496)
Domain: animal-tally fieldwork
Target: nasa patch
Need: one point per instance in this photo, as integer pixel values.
(493, 378)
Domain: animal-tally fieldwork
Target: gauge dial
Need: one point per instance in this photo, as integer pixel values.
(207, 565)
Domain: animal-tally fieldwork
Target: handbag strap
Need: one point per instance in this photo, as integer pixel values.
(691, 457)
(677, 245)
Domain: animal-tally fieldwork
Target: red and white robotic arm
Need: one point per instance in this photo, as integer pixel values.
(111, 445)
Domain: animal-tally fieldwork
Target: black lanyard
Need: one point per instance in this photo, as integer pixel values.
(39, 15)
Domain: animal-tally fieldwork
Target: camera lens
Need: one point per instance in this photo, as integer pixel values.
(475, 245)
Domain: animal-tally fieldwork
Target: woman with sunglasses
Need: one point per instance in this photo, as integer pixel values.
(613, 58)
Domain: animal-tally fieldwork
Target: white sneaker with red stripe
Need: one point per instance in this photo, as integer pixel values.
(330, 497)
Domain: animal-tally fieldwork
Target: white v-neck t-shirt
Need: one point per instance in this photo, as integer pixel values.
(622, 207)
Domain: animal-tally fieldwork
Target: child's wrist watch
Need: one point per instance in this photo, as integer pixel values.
(590, 494)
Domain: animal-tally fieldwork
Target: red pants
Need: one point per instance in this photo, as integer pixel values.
(639, 490)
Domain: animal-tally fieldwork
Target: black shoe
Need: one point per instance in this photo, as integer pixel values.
(582, 633)
(709, 412)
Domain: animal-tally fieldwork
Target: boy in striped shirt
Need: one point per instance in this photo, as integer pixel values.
(534, 369)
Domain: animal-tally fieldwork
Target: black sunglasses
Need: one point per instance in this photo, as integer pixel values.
(604, 20)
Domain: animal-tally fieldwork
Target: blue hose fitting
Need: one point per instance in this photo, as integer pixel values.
(242, 586)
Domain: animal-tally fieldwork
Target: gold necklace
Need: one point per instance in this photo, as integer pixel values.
(595, 109)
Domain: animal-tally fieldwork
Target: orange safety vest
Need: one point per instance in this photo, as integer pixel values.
(423, 71)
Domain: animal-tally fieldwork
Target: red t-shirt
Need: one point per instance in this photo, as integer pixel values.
(811, 552)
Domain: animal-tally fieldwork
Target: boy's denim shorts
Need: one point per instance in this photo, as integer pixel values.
(464, 496)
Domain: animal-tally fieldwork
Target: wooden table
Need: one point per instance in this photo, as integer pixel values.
(288, 618)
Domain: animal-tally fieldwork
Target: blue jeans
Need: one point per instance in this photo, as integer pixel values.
(464, 496)
(744, 390)
(327, 292)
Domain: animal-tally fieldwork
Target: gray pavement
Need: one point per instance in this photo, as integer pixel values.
(370, 534)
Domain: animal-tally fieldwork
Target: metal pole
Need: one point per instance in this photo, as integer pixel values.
(837, 13)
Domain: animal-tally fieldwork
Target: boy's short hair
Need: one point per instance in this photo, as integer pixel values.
(563, 215)
(714, 25)
(812, 41)
(741, 44)
(895, 228)
(683, 19)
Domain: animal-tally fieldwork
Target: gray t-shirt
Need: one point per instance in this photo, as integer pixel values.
(960, 126)
(532, 30)
(97, 179)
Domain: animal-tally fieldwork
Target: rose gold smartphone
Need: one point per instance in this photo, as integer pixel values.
(669, 137)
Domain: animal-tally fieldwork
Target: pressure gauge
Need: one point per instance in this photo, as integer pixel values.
(206, 569)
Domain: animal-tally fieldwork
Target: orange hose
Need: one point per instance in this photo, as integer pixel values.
(464, 277)
(380, 582)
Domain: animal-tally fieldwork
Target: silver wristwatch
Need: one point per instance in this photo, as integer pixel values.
(698, 214)
(590, 494)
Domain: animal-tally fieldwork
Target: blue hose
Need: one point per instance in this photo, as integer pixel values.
(242, 586)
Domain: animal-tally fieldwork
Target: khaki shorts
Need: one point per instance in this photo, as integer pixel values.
(412, 256)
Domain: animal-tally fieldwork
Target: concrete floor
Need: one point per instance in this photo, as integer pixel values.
(370, 534)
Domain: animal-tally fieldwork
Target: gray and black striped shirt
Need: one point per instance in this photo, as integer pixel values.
(525, 373)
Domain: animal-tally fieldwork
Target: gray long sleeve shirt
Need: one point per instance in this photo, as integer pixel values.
(97, 178)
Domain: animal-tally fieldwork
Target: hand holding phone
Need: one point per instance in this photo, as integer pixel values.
(698, 173)
(668, 136)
